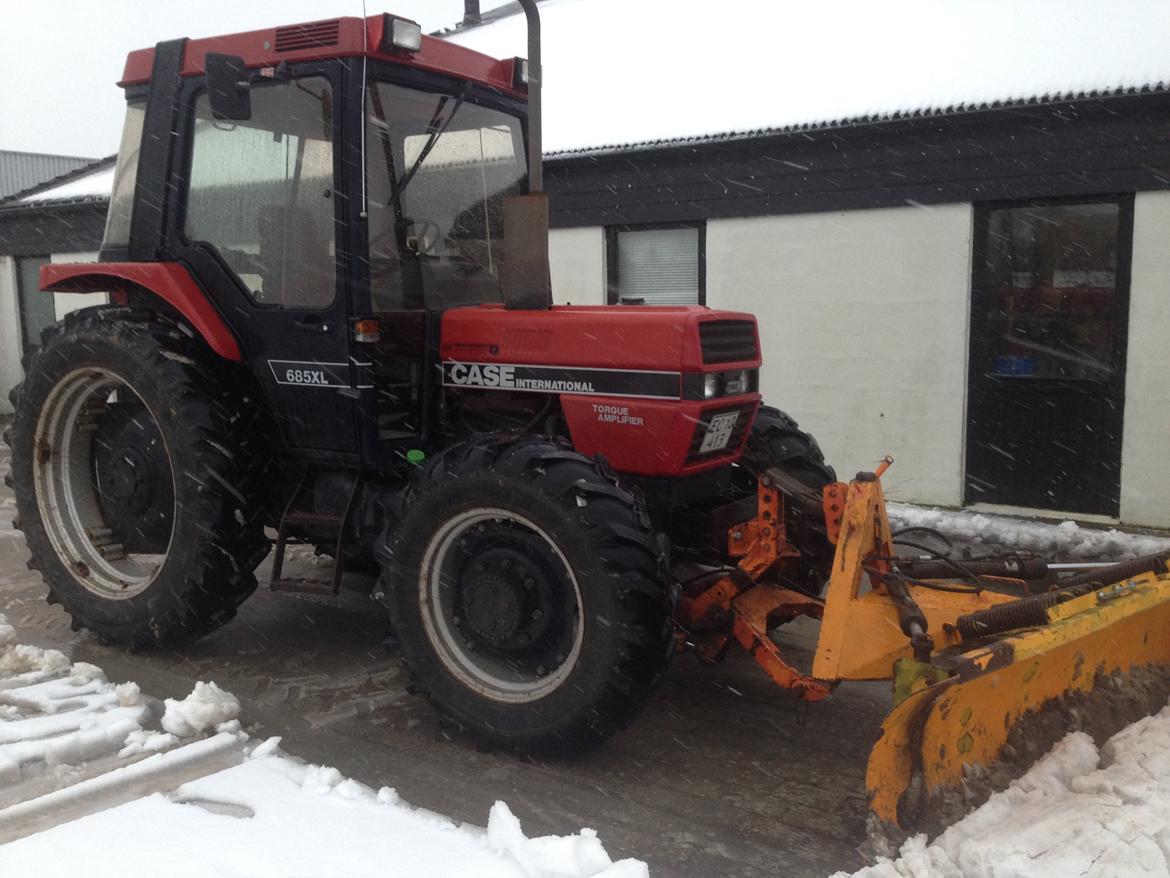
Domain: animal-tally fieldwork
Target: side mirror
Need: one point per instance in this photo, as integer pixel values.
(227, 87)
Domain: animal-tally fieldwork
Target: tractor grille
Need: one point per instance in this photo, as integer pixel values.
(738, 432)
(307, 36)
(728, 341)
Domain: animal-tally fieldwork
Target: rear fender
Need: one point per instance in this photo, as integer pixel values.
(170, 281)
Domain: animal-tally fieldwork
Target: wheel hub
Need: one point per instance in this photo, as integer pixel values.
(133, 478)
(498, 598)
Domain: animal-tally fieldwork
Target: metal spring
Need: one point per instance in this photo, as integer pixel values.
(1125, 570)
(1024, 613)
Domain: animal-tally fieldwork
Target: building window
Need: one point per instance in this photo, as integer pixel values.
(37, 310)
(657, 265)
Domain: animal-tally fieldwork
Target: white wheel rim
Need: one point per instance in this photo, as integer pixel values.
(63, 477)
(491, 679)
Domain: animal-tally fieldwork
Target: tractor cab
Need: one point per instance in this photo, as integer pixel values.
(334, 187)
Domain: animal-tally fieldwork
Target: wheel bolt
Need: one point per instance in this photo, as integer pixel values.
(506, 564)
(537, 615)
(530, 583)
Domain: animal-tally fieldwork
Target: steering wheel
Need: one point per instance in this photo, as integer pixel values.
(424, 230)
(426, 235)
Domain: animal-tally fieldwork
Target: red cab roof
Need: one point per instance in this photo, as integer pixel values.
(331, 38)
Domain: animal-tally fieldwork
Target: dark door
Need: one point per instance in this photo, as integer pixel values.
(1046, 388)
(261, 227)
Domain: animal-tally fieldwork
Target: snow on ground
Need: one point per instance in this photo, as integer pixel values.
(1079, 811)
(1065, 541)
(264, 814)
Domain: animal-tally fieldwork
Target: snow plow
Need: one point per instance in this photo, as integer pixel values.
(991, 661)
(332, 324)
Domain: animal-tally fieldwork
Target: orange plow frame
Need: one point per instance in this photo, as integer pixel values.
(955, 702)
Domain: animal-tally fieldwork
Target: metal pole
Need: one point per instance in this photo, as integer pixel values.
(535, 166)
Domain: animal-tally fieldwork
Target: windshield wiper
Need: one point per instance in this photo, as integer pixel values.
(436, 132)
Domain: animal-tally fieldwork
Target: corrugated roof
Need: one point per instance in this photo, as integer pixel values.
(621, 75)
(93, 181)
(22, 170)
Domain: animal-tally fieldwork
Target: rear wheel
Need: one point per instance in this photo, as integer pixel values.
(135, 462)
(528, 594)
(776, 440)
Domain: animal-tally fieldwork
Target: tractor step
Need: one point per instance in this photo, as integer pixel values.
(298, 585)
(302, 517)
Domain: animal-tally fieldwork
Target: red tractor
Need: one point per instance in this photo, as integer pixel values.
(331, 319)
(328, 254)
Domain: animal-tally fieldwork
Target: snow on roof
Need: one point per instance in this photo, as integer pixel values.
(94, 184)
(638, 73)
(23, 170)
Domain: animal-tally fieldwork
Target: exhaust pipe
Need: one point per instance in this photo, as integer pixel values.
(525, 278)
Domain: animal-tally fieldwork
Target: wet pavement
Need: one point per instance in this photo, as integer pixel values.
(722, 774)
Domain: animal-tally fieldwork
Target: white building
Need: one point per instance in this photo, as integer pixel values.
(950, 219)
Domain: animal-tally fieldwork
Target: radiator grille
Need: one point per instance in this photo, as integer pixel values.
(728, 341)
(307, 36)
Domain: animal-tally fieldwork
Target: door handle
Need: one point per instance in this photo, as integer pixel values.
(312, 323)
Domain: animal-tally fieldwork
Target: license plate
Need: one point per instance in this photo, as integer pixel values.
(719, 432)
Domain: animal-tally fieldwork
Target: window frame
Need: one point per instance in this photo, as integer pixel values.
(612, 237)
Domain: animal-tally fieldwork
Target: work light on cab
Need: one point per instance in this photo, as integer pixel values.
(401, 34)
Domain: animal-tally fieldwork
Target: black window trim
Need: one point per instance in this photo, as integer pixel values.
(612, 286)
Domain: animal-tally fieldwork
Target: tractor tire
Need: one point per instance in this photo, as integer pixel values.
(180, 487)
(776, 440)
(529, 596)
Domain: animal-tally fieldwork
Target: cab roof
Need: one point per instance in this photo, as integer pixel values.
(331, 38)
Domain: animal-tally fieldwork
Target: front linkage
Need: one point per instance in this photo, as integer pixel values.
(962, 698)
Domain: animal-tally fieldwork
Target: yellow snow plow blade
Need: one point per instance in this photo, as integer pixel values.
(1102, 661)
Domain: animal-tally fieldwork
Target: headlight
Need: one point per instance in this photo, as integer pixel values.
(400, 33)
(735, 383)
(710, 385)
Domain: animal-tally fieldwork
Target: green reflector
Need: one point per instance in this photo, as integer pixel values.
(416, 455)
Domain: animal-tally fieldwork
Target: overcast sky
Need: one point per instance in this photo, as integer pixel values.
(62, 58)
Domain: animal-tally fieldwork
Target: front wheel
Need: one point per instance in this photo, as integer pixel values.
(776, 440)
(528, 594)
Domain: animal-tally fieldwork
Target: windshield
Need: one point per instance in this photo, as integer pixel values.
(438, 168)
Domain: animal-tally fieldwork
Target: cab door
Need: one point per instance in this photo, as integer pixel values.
(262, 226)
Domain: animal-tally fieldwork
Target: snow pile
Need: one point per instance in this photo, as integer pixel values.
(206, 707)
(1067, 540)
(265, 813)
(54, 714)
(272, 817)
(1078, 811)
(689, 71)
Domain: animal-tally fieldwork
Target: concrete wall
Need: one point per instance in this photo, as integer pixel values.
(864, 323)
(577, 259)
(1145, 450)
